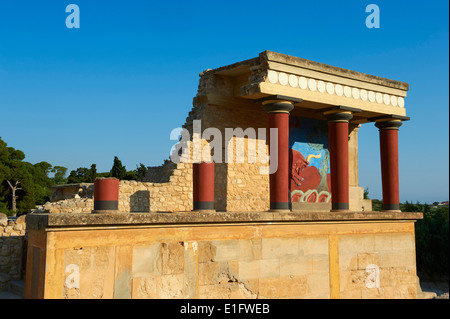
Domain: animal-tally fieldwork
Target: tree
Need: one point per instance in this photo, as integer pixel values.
(141, 170)
(83, 175)
(14, 188)
(92, 174)
(366, 193)
(60, 173)
(23, 185)
(14, 171)
(118, 170)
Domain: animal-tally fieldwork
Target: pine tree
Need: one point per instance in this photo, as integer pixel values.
(118, 170)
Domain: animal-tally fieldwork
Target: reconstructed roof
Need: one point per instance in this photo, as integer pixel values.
(318, 85)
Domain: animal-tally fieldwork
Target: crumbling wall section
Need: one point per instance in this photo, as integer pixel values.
(12, 232)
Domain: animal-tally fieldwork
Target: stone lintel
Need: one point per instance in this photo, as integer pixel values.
(329, 69)
(340, 108)
(389, 117)
(43, 221)
(279, 97)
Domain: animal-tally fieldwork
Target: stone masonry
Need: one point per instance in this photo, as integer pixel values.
(12, 232)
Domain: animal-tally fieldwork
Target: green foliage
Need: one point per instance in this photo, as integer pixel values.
(31, 181)
(377, 205)
(141, 170)
(105, 174)
(83, 175)
(432, 239)
(60, 173)
(131, 176)
(118, 170)
(366, 193)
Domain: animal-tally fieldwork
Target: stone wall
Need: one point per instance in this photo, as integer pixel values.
(135, 196)
(62, 192)
(184, 256)
(12, 232)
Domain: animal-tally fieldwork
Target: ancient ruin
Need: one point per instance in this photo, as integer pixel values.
(229, 229)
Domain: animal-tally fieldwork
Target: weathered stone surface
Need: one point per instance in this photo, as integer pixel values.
(238, 261)
(206, 252)
(147, 260)
(172, 255)
(3, 219)
(163, 287)
(42, 221)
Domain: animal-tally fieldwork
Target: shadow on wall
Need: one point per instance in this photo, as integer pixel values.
(140, 202)
(220, 186)
(160, 174)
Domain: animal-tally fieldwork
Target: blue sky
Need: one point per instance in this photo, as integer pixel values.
(120, 83)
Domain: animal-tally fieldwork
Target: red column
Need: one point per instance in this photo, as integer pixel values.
(389, 163)
(203, 184)
(106, 195)
(279, 180)
(338, 140)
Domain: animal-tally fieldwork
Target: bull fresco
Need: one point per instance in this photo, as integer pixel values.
(309, 161)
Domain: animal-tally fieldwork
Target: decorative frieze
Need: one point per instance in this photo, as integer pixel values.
(317, 85)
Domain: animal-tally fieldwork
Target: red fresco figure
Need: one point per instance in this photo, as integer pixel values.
(304, 178)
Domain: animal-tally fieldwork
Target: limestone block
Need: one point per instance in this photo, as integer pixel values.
(172, 255)
(403, 241)
(383, 242)
(320, 264)
(283, 287)
(365, 259)
(249, 269)
(393, 258)
(269, 268)
(313, 246)
(351, 294)
(3, 220)
(218, 291)
(226, 250)
(158, 287)
(21, 220)
(278, 247)
(147, 260)
(250, 249)
(319, 285)
(217, 272)
(206, 252)
(359, 243)
(296, 266)
(191, 270)
(94, 268)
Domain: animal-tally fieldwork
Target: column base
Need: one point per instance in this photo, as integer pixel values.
(340, 207)
(203, 205)
(391, 207)
(280, 207)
